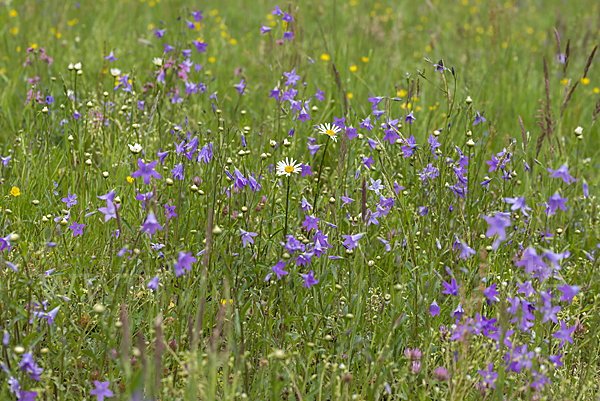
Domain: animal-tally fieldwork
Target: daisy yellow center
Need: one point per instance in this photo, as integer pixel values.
(330, 132)
(289, 169)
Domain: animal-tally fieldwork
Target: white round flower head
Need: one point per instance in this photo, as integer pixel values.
(579, 130)
(287, 167)
(115, 72)
(157, 61)
(330, 129)
(137, 148)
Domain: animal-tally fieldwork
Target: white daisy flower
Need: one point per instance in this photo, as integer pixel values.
(157, 61)
(330, 129)
(115, 72)
(287, 167)
(137, 148)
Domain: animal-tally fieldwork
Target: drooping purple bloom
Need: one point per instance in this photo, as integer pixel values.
(160, 33)
(568, 292)
(29, 366)
(564, 334)
(562, 172)
(110, 211)
(531, 260)
(351, 241)
(111, 57)
(491, 294)
(489, 376)
(146, 171)
(170, 211)
(479, 118)
(101, 391)
(310, 223)
(319, 95)
(518, 203)
(70, 200)
(309, 279)
(375, 186)
(151, 224)
(313, 149)
(434, 309)
(452, 288)
(410, 118)
(391, 136)
(77, 229)
(556, 202)
(465, 251)
(498, 225)
(278, 270)
(409, 149)
(240, 87)
(264, 29)
(345, 199)
(458, 312)
(153, 284)
(368, 161)
(184, 261)
(247, 237)
(292, 78)
(200, 46)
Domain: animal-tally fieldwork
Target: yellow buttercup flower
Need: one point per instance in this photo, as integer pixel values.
(365, 59)
(129, 179)
(585, 81)
(15, 191)
(353, 68)
(325, 57)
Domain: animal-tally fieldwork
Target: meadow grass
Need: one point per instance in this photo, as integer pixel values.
(331, 200)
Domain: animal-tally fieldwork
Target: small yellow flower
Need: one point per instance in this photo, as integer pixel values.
(130, 179)
(14, 30)
(585, 81)
(530, 31)
(233, 41)
(353, 68)
(350, 95)
(325, 57)
(575, 298)
(596, 90)
(353, 2)
(212, 59)
(15, 191)
(13, 13)
(504, 45)
(365, 59)
(224, 301)
(564, 81)
(150, 27)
